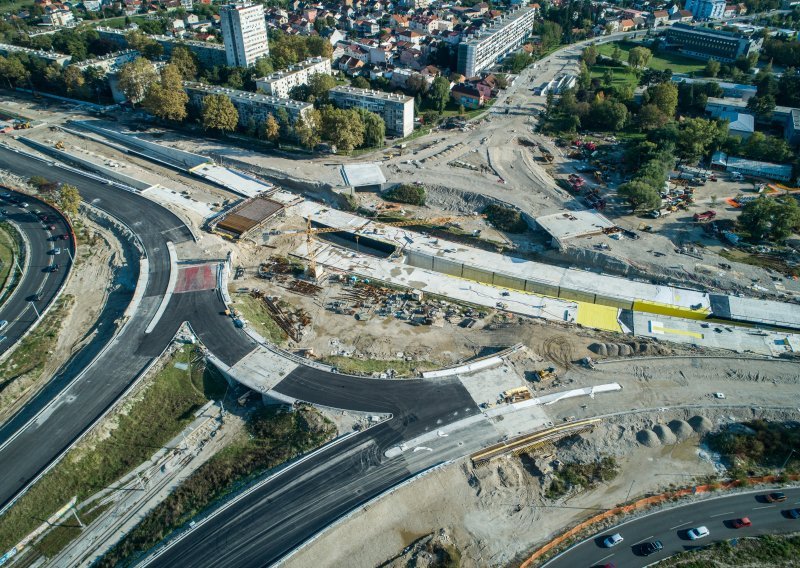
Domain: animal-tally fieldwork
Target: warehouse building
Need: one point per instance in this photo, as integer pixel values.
(397, 111)
(501, 37)
(752, 168)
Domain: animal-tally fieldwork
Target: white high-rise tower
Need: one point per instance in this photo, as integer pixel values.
(244, 31)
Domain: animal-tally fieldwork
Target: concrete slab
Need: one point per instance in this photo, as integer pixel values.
(261, 370)
(362, 175)
(487, 386)
(238, 182)
(170, 197)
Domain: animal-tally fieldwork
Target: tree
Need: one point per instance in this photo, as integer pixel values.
(185, 61)
(167, 99)
(640, 196)
(74, 80)
(306, 133)
(590, 54)
(696, 136)
(584, 76)
(218, 113)
(608, 77)
(665, 97)
(650, 117)
(145, 45)
(69, 199)
(712, 68)
(374, 129)
(360, 83)
(343, 128)
(639, 57)
(263, 67)
(762, 106)
(136, 77)
(319, 47)
(320, 83)
(608, 115)
(270, 129)
(766, 148)
(616, 53)
(13, 71)
(773, 219)
(439, 93)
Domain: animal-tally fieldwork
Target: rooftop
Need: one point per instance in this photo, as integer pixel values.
(371, 94)
(360, 175)
(293, 69)
(767, 169)
(573, 224)
(739, 121)
(505, 20)
(248, 96)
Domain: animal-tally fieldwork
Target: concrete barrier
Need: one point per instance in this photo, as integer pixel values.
(464, 369)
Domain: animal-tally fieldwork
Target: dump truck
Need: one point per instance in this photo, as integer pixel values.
(704, 216)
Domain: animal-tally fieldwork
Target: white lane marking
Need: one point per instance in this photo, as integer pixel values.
(721, 514)
(644, 539)
(605, 558)
(680, 525)
(764, 507)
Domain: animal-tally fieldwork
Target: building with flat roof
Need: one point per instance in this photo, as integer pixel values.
(573, 225)
(108, 63)
(705, 43)
(754, 168)
(208, 54)
(279, 84)
(397, 111)
(792, 130)
(250, 105)
(729, 90)
(485, 48)
(706, 9)
(244, 32)
(49, 56)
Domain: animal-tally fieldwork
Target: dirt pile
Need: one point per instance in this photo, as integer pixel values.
(681, 429)
(648, 438)
(701, 424)
(431, 551)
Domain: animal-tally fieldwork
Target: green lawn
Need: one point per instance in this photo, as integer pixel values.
(622, 76)
(661, 60)
(351, 365)
(8, 249)
(257, 314)
(13, 6)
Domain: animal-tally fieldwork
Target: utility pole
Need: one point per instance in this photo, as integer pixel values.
(787, 459)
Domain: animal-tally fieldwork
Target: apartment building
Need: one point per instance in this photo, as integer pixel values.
(506, 34)
(279, 84)
(706, 9)
(208, 54)
(705, 43)
(244, 32)
(250, 105)
(108, 63)
(397, 111)
(60, 59)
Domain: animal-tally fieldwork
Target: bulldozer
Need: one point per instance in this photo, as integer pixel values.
(59, 145)
(548, 374)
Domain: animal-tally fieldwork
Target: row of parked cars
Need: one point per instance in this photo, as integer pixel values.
(696, 533)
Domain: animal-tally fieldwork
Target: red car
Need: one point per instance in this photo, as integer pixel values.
(741, 523)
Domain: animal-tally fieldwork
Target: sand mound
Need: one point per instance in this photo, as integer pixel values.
(664, 434)
(681, 429)
(647, 438)
(701, 424)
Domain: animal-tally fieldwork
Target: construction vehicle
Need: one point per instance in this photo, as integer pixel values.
(22, 125)
(548, 374)
(704, 216)
(59, 145)
(517, 395)
(310, 231)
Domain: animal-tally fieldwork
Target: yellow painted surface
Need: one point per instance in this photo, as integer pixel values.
(670, 310)
(598, 317)
(658, 327)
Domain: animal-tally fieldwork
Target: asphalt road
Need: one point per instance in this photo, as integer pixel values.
(670, 527)
(33, 438)
(18, 310)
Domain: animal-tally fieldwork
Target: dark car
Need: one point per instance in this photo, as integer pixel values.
(794, 513)
(649, 548)
(34, 298)
(776, 497)
(53, 268)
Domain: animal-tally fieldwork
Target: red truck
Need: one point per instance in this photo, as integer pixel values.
(704, 216)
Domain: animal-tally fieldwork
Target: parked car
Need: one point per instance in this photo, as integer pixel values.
(741, 523)
(612, 540)
(649, 548)
(775, 497)
(697, 533)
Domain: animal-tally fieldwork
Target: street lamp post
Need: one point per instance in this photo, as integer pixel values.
(787, 459)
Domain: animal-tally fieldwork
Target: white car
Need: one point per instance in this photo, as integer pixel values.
(613, 540)
(697, 533)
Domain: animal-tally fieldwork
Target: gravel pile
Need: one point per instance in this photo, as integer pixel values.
(701, 424)
(664, 434)
(648, 438)
(681, 429)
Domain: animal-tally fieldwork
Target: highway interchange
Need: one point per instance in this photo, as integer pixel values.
(670, 526)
